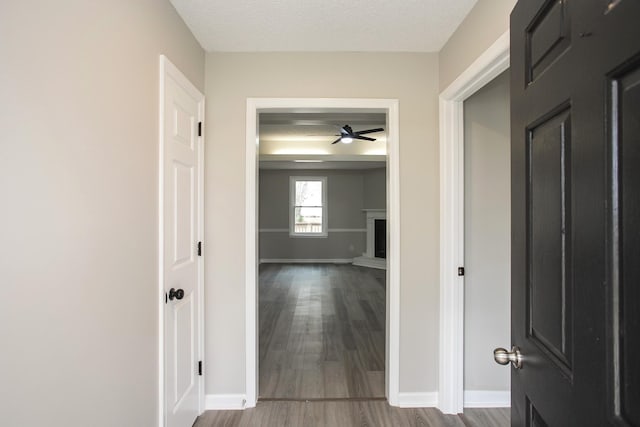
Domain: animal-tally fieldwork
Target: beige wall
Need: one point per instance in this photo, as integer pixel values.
(78, 223)
(487, 235)
(231, 79)
(487, 21)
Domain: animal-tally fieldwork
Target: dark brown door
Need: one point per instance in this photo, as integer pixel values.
(575, 87)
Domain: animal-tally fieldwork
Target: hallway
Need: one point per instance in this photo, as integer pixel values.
(322, 331)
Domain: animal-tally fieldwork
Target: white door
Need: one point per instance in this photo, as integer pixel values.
(181, 163)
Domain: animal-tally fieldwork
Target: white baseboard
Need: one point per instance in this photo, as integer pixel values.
(306, 261)
(418, 400)
(217, 402)
(364, 261)
(487, 399)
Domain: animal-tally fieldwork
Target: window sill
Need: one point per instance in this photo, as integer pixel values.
(313, 236)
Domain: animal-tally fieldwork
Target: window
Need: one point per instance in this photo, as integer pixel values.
(308, 206)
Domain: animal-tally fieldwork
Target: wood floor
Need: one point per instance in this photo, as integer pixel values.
(322, 336)
(487, 417)
(322, 331)
(349, 414)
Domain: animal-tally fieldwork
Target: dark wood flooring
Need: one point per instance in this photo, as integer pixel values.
(349, 414)
(474, 417)
(322, 336)
(322, 331)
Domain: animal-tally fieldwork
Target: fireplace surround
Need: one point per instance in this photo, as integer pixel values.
(375, 257)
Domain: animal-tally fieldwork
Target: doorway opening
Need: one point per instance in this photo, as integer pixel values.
(304, 259)
(322, 255)
(487, 245)
(489, 65)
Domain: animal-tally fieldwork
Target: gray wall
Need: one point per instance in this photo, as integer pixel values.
(487, 235)
(412, 78)
(78, 224)
(346, 190)
(374, 180)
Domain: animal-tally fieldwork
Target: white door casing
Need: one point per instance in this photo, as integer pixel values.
(181, 173)
(392, 343)
(489, 65)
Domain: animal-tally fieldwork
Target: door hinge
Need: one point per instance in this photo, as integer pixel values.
(460, 271)
(166, 298)
(199, 128)
(199, 248)
(200, 368)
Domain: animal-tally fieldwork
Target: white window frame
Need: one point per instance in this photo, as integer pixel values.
(292, 203)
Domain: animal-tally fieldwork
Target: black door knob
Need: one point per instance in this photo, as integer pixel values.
(175, 293)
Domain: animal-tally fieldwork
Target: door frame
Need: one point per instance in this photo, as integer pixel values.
(392, 342)
(169, 70)
(489, 65)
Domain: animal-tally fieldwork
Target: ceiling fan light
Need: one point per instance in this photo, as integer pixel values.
(346, 140)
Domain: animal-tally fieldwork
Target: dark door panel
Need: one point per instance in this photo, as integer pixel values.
(575, 108)
(625, 289)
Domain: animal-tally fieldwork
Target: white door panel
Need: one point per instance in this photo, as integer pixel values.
(182, 111)
(183, 360)
(183, 213)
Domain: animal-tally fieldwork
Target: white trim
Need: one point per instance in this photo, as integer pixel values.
(330, 230)
(389, 106)
(418, 400)
(251, 255)
(306, 261)
(222, 402)
(393, 253)
(365, 261)
(488, 66)
(201, 307)
(168, 69)
(161, 380)
(487, 399)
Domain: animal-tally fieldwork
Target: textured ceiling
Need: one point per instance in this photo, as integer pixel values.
(323, 25)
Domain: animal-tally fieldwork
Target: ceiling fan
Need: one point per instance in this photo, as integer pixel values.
(347, 135)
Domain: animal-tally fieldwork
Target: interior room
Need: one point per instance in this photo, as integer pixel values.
(322, 303)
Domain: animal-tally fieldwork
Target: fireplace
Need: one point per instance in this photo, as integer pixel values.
(376, 253)
(380, 238)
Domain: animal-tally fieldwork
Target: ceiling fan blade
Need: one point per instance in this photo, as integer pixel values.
(336, 141)
(362, 132)
(365, 138)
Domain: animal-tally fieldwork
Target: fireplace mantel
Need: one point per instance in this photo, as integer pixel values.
(368, 259)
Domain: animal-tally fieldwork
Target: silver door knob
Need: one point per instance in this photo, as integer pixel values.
(503, 357)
